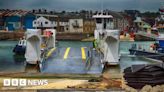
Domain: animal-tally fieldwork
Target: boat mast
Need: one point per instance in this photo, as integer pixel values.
(102, 6)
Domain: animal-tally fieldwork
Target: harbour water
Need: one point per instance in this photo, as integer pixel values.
(12, 63)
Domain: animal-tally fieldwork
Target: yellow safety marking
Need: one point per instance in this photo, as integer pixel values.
(50, 52)
(83, 53)
(66, 53)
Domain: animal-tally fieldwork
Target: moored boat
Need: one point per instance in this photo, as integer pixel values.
(107, 38)
(20, 48)
(157, 49)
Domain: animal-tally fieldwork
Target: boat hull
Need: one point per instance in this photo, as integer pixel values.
(19, 49)
(152, 55)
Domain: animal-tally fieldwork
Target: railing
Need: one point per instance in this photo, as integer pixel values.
(43, 58)
(43, 55)
(144, 47)
(88, 63)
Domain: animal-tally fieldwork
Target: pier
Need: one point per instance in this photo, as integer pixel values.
(5, 35)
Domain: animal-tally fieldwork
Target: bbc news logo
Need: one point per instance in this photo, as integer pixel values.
(23, 82)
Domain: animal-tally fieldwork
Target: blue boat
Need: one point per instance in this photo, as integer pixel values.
(156, 53)
(20, 48)
(157, 56)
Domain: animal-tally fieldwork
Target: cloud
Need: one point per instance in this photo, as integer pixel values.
(144, 5)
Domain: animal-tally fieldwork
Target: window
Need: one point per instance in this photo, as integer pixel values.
(110, 20)
(22, 42)
(98, 20)
(17, 25)
(46, 22)
(140, 23)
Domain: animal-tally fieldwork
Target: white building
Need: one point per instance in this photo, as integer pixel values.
(64, 26)
(76, 25)
(71, 25)
(43, 22)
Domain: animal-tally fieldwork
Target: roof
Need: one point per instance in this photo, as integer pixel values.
(7, 12)
(102, 16)
(46, 15)
(146, 26)
(114, 14)
(41, 18)
(138, 19)
(154, 28)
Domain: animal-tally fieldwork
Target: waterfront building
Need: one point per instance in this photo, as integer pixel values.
(89, 26)
(76, 25)
(28, 21)
(11, 19)
(43, 22)
(132, 13)
(13, 23)
(159, 21)
(63, 24)
(141, 25)
(73, 22)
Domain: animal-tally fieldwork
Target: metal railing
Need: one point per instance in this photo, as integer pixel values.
(88, 63)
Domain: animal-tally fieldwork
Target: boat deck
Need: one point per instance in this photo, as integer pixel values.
(71, 60)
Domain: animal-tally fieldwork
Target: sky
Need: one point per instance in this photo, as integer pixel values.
(74, 5)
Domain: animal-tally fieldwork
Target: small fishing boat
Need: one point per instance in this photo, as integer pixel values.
(20, 48)
(156, 50)
(155, 55)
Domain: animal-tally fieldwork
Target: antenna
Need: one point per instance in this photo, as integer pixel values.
(102, 6)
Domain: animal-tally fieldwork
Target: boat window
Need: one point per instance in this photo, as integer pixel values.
(98, 20)
(111, 20)
(19, 42)
(22, 42)
(104, 25)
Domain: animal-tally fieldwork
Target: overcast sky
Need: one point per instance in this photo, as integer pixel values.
(118, 5)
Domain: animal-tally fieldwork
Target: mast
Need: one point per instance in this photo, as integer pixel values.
(102, 6)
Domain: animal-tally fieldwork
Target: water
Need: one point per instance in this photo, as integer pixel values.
(11, 63)
(8, 61)
(124, 46)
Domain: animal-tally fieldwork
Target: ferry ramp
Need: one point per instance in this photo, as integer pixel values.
(73, 60)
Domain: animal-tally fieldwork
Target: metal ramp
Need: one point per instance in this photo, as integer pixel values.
(75, 60)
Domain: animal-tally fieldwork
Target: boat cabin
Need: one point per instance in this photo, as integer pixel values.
(104, 21)
(22, 42)
(107, 38)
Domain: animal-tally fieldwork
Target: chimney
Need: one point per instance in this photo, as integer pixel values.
(40, 10)
(45, 11)
(33, 11)
(51, 12)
